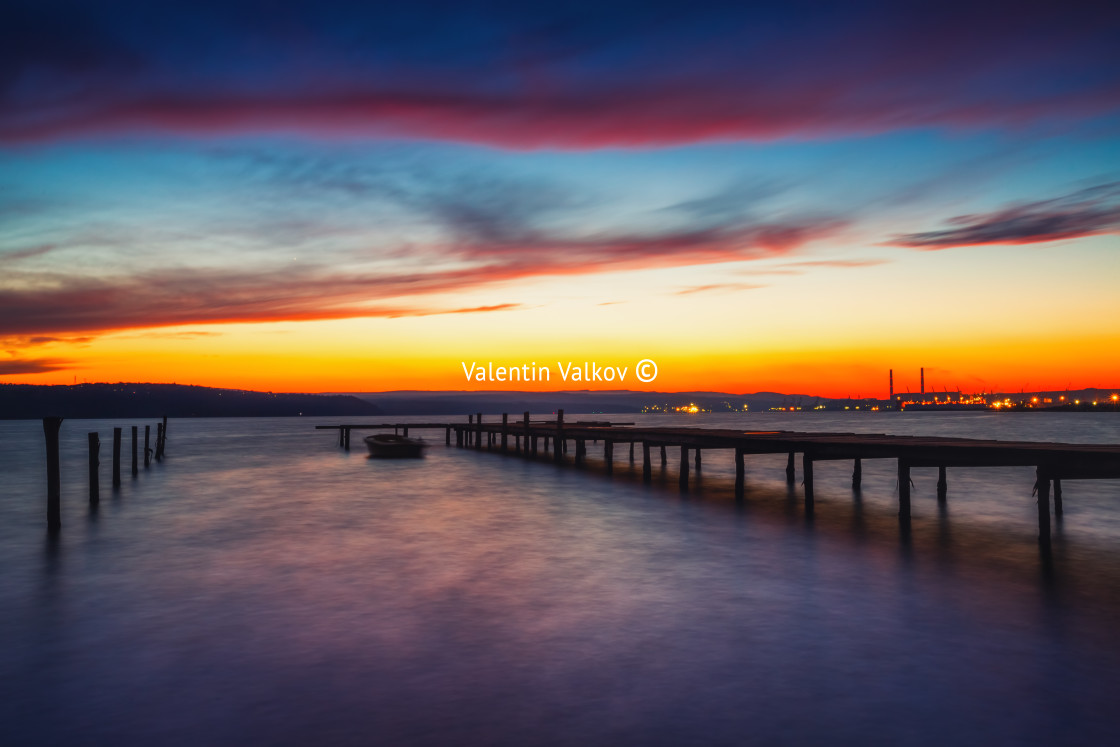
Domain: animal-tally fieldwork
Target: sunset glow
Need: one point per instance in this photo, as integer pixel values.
(321, 200)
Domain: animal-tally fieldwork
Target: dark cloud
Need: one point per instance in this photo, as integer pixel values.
(567, 75)
(42, 365)
(1087, 212)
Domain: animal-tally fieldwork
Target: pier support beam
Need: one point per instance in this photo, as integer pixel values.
(478, 434)
(684, 467)
(857, 474)
(790, 474)
(505, 431)
(1057, 497)
(942, 484)
(54, 481)
(647, 468)
(698, 459)
(525, 426)
(903, 489)
(740, 473)
(631, 452)
(470, 431)
(346, 439)
(447, 436)
(116, 457)
(807, 466)
(558, 445)
(608, 455)
(581, 449)
(664, 461)
(94, 463)
(1043, 508)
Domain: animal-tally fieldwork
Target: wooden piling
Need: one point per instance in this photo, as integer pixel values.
(807, 466)
(697, 458)
(478, 436)
(135, 449)
(857, 474)
(341, 436)
(740, 473)
(1043, 507)
(942, 484)
(647, 469)
(404, 432)
(631, 452)
(159, 441)
(581, 449)
(54, 480)
(116, 457)
(94, 481)
(608, 455)
(447, 436)
(684, 467)
(558, 444)
(147, 449)
(347, 445)
(790, 473)
(664, 461)
(470, 430)
(903, 489)
(505, 431)
(1057, 497)
(163, 446)
(525, 426)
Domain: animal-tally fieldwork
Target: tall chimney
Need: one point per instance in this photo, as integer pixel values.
(923, 381)
(892, 384)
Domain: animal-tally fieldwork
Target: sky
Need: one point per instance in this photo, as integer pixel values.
(789, 197)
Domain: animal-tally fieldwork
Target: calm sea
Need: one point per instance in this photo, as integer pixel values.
(261, 586)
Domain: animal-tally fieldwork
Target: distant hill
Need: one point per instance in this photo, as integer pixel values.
(584, 401)
(28, 401)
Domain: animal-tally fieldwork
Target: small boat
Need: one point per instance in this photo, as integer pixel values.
(391, 446)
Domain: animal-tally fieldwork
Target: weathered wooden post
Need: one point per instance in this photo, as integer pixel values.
(608, 455)
(159, 441)
(505, 431)
(478, 436)
(1043, 507)
(147, 449)
(697, 458)
(116, 457)
(663, 459)
(942, 485)
(347, 447)
(94, 482)
(807, 466)
(857, 474)
(558, 445)
(581, 449)
(163, 447)
(341, 436)
(647, 469)
(1057, 497)
(54, 480)
(903, 489)
(740, 473)
(525, 425)
(791, 475)
(684, 467)
(631, 452)
(447, 436)
(470, 429)
(135, 449)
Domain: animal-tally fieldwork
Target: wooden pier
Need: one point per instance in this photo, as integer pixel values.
(1053, 462)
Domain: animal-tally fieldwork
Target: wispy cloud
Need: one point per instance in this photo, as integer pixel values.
(722, 287)
(36, 366)
(1087, 212)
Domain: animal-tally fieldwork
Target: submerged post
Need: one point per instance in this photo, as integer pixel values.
(1057, 497)
(348, 438)
(857, 474)
(581, 449)
(807, 465)
(135, 448)
(558, 443)
(525, 426)
(159, 441)
(942, 485)
(608, 455)
(790, 474)
(94, 452)
(163, 447)
(147, 449)
(1043, 507)
(697, 458)
(478, 436)
(903, 489)
(54, 481)
(116, 457)
(664, 461)
(684, 467)
(631, 452)
(740, 473)
(447, 436)
(647, 470)
(470, 429)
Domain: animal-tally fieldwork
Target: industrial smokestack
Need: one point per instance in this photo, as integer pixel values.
(923, 381)
(892, 385)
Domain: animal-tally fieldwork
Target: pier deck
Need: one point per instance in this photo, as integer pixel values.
(1053, 462)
